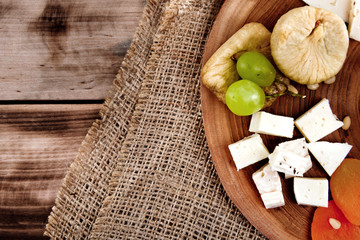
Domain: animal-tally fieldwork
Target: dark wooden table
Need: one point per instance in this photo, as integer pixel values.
(58, 61)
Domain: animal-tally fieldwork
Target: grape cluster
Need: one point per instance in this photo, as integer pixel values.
(245, 97)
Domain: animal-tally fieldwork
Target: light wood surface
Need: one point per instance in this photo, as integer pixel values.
(57, 63)
(69, 49)
(223, 128)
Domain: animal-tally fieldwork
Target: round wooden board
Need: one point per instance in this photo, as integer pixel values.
(223, 128)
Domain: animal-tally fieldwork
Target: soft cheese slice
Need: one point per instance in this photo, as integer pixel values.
(247, 151)
(318, 122)
(311, 191)
(329, 155)
(340, 7)
(268, 183)
(297, 146)
(354, 20)
(270, 124)
(290, 163)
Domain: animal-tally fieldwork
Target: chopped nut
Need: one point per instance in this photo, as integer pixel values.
(347, 123)
(330, 80)
(313, 86)
(336, 224)
(293, 89)
(280, 86)
(282, 78)
(271, 90)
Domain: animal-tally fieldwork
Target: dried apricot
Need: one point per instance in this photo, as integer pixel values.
(345, 189)
(330, 224)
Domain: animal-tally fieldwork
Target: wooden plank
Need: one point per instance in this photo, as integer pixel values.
(37, 145)
(70, 49)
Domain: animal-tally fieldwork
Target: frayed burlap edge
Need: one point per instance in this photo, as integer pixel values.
(151, 195)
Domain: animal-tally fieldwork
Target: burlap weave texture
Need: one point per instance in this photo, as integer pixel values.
(149, 149)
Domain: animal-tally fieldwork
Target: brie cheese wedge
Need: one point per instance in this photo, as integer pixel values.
(340, 7)
(311, 191)
(247, 151)
(329, 155)
(268, 183)
(270, 124)
(318, 122)
(354, 20)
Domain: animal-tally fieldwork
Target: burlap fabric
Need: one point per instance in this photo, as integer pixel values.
(144, 170)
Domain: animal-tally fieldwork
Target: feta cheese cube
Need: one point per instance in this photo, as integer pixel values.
(318, 122)
(288, 162)
(311, 191)
(354, 20)
(340, 7)
(267, 180)
(268, 183)
(297, 146)
(329, 155)
(273, 199)
(247, 151)
(266, 123)
(288, 176)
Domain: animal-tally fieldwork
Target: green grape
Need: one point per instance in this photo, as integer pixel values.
(256, 67)
(244, 98)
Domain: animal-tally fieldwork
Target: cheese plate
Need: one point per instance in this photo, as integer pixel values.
(223, 128)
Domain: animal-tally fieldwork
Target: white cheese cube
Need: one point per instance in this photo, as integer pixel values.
(270, 124)
(288, 162)
(248, 151)
(318, 122)
(340, 7)
(288, 176)
(267, 180)
(354, 20)
(273, 199)
(329, 155)
(268, 183)
(297, 146)
(311, 191)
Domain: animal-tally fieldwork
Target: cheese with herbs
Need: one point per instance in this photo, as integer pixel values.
(287, 162)
(297, 146)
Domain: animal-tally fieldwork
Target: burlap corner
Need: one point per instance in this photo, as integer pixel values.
(164, 185)
(86, 183)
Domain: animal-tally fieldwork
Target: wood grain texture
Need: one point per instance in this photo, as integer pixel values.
(223, 128)
(37, 145)
(72, 49)
(52, 50)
